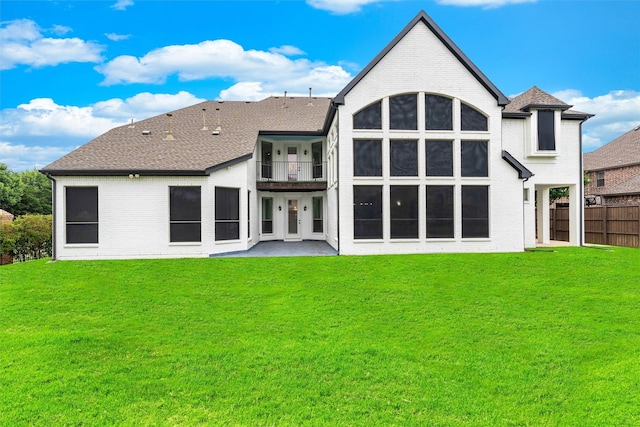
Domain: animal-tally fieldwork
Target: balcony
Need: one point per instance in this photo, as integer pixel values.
(291, 176)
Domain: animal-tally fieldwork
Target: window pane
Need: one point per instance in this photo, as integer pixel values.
(404, 211)
(227, 230)
(267, 159)
(82, 204)
(227, 203)
(367, 157)
(184, 214)
(404, 157)
(185, 203)
(439, 211)
(474, 158)
(439, 158)
(367, 212)
(546, 131)
(318, 223)
(472, 119)
(227, 213)
(184, 232)
(267, 215)
(369, 117)
(82, 233)
(438, 113)
(316, 158)
(403, 112)
(81, 210)
(475, 211)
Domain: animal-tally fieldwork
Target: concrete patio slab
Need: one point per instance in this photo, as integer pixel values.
(281, 249)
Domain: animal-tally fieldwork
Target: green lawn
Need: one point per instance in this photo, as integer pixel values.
(538, 338)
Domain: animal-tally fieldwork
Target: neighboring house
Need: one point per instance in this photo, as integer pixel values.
(420, 153)
(614, 171)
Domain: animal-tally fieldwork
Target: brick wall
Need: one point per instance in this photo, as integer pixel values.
(612, 177)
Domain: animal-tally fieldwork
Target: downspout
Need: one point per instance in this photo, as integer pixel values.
(581, 191)
(53, 215)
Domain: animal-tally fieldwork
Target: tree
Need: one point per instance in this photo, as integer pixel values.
(36, 195)
(27, 192)
(11, 188)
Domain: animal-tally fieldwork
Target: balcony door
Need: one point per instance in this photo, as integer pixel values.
(293, 168)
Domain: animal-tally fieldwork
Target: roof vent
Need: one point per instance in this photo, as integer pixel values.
(284, 100)
(146, 132)
(204, 120)
(169, 136)
(310, 104)
(218, 128)
(131, 125)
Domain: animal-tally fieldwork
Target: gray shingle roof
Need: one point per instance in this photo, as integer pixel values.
(622, 151)
(192, 150)
(534, 98)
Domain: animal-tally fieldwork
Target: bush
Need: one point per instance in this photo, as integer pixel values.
(27, 237)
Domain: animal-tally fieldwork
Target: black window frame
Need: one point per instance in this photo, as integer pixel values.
(440, 211)
(369, 117)
(439, 157)
(474, 159)
(403, 157)
(475, 211)
(227, 215)
(469, 116)
(403, 115)
(367, 157)
(403, 211)
(367, 212)
(436, 110)
(266, 219)
(317, 214)
(185, 214)
(546, 130)
(81, 215)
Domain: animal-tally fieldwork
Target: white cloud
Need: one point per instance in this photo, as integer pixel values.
(117, 37)
(60, 30)
(341, 7)
(22, 42)
(122, 4)
(287, 50)
(616, 112)
(226, 59)
(487, 4)
(43, 117)
(19, 157)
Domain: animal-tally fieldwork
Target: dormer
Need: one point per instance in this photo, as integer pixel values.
(543, 121)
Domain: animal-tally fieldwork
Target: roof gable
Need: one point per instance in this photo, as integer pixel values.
(423, 18)
(535, 98)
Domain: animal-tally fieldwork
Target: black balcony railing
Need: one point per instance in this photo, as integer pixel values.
(292, 171)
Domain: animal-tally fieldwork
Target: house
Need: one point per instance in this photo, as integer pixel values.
(614, 171)
(420, 153)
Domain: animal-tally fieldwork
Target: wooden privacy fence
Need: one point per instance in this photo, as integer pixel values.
(612, 225)
(604, 225)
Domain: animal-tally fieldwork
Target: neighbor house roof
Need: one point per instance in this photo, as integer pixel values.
(144, 146)
(422, 17)
(622, 151)
(535, 98)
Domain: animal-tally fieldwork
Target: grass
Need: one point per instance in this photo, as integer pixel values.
(539, 338)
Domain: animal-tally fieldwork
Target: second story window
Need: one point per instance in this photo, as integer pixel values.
(600, 179)
(546, 131)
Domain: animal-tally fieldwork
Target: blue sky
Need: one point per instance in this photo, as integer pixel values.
(71, 70)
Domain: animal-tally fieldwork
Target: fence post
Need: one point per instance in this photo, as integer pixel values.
(605, 237)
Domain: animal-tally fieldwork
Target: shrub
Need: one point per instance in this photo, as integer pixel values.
(27, 237)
